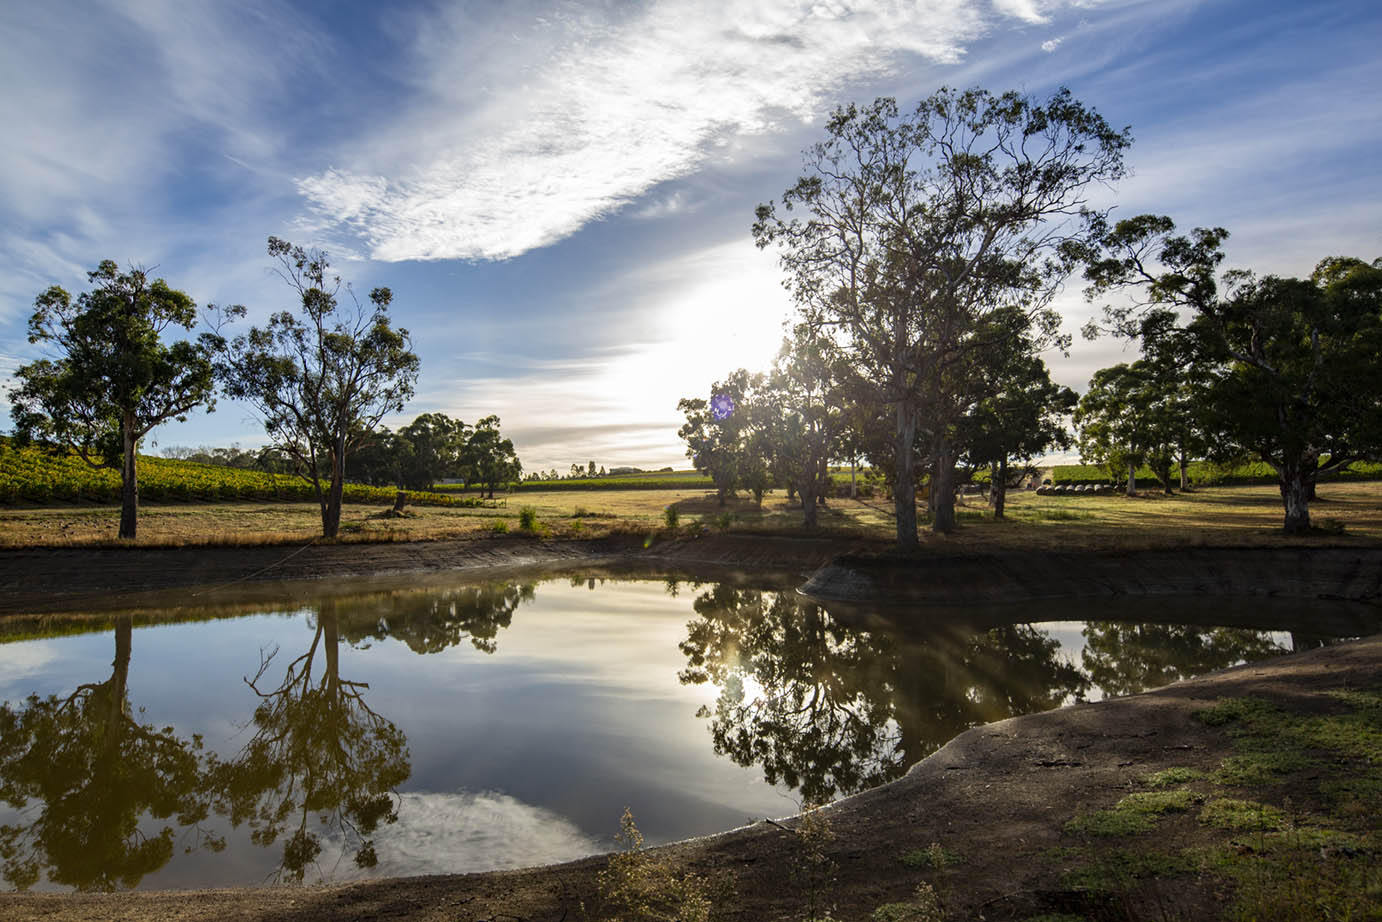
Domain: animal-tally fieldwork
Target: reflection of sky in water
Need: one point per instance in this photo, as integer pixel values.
(576, 716)
(525, 756)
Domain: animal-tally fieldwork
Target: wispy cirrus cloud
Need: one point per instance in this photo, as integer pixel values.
(582, 110)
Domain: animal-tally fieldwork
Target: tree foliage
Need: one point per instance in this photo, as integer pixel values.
(89, 772)
(919, 226)
(112, 379)
(321, 380)
(1295, 365)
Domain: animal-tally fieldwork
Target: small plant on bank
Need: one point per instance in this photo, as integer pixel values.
(933, 856)
(527, 519)
(635, 887)
(723, 520)
(813, 869)
(671, 516)
(499, 527)
(924, 906)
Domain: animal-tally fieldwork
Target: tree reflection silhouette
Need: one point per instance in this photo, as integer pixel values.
(318, 751)
(828, 708)
(432, 621)
(90, 770)
(1127, 658)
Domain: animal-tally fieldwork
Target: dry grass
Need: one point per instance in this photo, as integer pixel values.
(1216, 516)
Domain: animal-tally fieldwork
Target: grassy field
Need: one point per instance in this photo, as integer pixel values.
(1351, 513)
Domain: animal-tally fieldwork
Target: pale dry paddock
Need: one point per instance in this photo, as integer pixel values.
(1213, 516)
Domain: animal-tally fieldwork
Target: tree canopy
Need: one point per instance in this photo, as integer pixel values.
(918, 226)
(321, 380)
(112, 378)
(1294, 365)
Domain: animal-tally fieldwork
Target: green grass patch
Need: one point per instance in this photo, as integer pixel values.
(933, 856)
(1263, 767)
(1240, 815)
(1168, 777)
(1136, 813)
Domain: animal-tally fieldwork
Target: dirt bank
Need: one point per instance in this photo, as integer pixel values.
(839, 569)
(1342, 574)
(995, 799)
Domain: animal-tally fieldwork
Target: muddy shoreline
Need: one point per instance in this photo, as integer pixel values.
(45, 580)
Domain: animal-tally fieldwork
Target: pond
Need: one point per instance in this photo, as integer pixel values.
(473, 727)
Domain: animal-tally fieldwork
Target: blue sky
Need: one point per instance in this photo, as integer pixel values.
(560, 194)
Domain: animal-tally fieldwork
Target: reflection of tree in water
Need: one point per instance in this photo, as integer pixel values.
(1127, 658)
(318, 751)
(432, 621)
(830, 709)
(90, 769)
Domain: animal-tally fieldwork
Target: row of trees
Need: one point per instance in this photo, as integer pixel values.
(1287, 371)
(435, 447)
(321, 379)
(923, 250)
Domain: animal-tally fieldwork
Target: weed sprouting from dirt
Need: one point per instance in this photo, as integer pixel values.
(813, 870)
(637, 887)
(933, 856)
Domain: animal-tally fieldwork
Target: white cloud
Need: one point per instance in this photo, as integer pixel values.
(1025, 10)
(485, 831)
(585, 111)
(1051, 45)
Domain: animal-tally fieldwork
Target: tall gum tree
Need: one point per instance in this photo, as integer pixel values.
(112, 378)
(1295, 364)
(320, 380)
(917, 226)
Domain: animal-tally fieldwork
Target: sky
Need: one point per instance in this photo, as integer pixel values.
(559, 195)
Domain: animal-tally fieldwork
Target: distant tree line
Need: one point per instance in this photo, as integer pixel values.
(433, 448)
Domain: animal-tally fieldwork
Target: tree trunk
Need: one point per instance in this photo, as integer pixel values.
(853, 490)
(129, 481)
(808, 505)
(998, 490)
(399, 501)
(943, 489)
(1132, 480)
(905, 485)
(331, 514)
(1295, 496)
(1184, 473)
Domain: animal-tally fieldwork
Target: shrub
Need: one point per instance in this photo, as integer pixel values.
(527, 518)
(671, 516)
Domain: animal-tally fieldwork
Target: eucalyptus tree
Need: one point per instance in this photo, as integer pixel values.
(112, 379)
(320, 380)
(918, 226)
(723, 437)
(1022, 416)
(488, 458)
(1295, 364)
(802, 418)
(1127, 419)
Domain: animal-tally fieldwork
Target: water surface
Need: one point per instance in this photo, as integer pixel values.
(474, 727)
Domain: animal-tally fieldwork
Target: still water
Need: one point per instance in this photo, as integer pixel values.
(472, 727)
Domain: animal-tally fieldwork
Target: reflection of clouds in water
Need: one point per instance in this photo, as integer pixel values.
(485, 831)
(21, 660)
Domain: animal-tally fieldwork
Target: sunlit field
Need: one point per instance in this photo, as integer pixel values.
(1344, 514)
